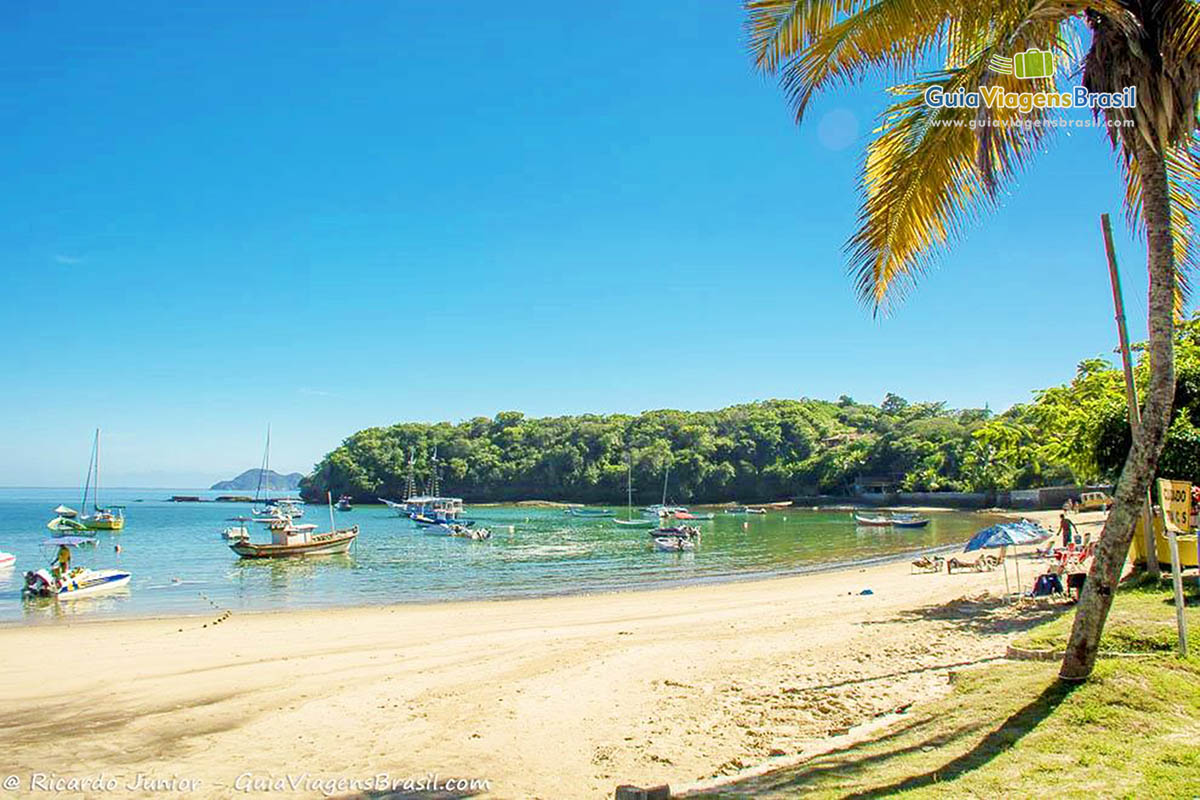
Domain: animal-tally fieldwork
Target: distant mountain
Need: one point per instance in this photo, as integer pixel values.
(272, 480)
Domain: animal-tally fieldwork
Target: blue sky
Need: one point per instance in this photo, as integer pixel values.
(328, 216)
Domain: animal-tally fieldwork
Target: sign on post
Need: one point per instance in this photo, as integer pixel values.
(1176, 500)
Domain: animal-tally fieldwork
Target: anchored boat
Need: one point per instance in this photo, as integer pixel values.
(291, 542)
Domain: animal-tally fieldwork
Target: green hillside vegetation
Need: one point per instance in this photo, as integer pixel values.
(774, 449)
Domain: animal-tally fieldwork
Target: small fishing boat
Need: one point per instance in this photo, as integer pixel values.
(78, 582)
(690, 515)
(756, 511)
(7, 560)
(909, 521)
(871, 521)
(287, 544)
(737, 510)
(689, 532)
(636, 523)
(672, 544)
(344, 503)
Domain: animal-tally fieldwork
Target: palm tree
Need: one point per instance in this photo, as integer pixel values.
(930, 170)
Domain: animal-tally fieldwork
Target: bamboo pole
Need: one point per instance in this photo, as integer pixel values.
(1135, 414)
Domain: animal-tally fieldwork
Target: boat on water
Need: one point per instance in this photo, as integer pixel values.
(689, 532)
(7, 560)
(630, 521)
(102, 518)
(909, 521)
(77, 583)
(673, 544)
(235, 533)
(344, 503)
(580, 511)
(288, 544)
(71, 582)
(756, 511)
(691, 515)
(737, 510)
(871, 521)
(463, 531)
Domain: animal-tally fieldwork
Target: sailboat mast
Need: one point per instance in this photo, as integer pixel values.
(96, 485)
(266, 462)
(629, 489)
(87, 482)
(666, 475)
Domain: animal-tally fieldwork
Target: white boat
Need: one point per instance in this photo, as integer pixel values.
(7, 560)
(636, 523)
(673, 544)
(78, 582)
(870, 521)
(235, 534)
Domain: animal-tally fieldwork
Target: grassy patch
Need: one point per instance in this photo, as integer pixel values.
(1142, 620)
(1012, 730)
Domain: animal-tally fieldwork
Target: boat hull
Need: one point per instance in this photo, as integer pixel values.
(915, 523)
(324, 544)
(104, 524)
(872, 522)
(637, 523)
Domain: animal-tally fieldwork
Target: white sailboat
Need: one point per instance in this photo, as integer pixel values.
(629, 521)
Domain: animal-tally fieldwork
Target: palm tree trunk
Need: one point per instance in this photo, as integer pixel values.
(1113, 546)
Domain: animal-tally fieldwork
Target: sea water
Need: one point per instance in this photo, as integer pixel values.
(181, 565)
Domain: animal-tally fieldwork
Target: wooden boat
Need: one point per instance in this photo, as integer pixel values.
(909, 521)
(285, 544)
(871, 521)
(689, 515)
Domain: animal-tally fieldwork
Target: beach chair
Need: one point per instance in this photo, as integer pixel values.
(978, 565)
(927, 564)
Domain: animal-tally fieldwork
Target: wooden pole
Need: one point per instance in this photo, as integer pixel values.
(1135, 415)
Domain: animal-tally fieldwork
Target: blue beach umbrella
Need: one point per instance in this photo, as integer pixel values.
(1008, 534)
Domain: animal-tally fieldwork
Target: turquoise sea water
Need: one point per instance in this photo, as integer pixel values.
(181, 565)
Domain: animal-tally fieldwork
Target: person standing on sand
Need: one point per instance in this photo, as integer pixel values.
(1064, 527)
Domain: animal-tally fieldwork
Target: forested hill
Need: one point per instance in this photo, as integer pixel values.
(778, 448)
(754, 452)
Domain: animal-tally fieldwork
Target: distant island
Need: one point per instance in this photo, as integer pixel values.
(272, 480)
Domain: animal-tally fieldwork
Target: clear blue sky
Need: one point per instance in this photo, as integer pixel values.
(328, 216)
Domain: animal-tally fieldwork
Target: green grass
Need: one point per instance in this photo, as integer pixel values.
(1142, 620)
(1012, 730)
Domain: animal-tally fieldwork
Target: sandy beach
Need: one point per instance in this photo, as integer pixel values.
(551, 698)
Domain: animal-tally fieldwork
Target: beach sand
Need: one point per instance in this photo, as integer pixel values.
(559, 697)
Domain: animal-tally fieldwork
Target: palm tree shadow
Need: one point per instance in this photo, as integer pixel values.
(851, 763)
(993, 744)
(985, 615)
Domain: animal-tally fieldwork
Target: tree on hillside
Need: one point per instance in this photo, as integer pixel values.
(929, 170)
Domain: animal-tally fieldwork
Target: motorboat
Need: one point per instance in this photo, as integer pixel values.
(235, 533)
(462, 531)
(689, 515)
(7, 560)
(76, 583)
(673, 544)
(871, 521)
(344, 503)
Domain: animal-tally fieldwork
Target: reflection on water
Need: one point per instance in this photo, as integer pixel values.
(180, 563)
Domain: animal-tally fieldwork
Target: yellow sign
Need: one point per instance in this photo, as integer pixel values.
(1176, 499)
